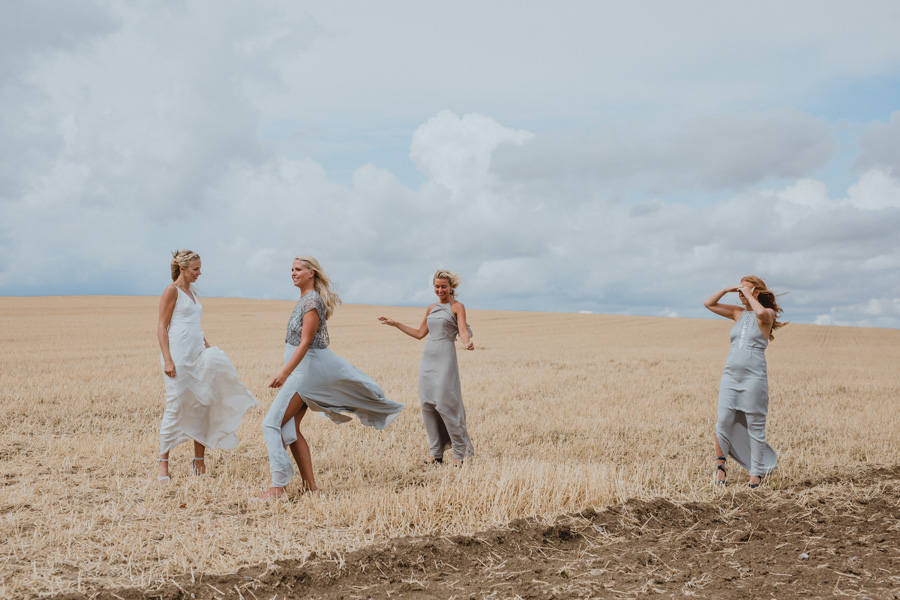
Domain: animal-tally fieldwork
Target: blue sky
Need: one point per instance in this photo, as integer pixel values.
(612, 157)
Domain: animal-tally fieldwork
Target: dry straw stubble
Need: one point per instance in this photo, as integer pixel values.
(566, 412)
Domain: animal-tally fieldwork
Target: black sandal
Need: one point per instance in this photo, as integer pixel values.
(434, 460)
(721, 468)
(753, 486)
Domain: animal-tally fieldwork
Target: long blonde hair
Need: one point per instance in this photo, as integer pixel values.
(322, 284)
(452, 278)
(768, 299)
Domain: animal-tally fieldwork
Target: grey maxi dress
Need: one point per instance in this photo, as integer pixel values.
(327, 384)
(744, 399)
(439, 387)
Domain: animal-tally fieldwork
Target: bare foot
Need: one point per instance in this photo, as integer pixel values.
(200, 466)
(274, 494)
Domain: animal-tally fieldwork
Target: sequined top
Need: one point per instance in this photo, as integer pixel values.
(308, 301)
(743, 336)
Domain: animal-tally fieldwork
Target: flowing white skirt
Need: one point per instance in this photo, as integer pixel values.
(205, 402)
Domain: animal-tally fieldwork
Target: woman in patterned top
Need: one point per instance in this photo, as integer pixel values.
(315, 378)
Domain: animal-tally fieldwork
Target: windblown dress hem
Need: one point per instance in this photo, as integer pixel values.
(743, 403)
(327, 384)
(205, 401)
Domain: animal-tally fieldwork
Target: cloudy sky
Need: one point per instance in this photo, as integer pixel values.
(613, 157)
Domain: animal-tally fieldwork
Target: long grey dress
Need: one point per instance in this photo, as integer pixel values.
(327, 383)
(439, 388)
(744, 399)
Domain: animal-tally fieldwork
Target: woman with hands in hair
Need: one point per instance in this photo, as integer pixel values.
(439, 387)
(744, 389)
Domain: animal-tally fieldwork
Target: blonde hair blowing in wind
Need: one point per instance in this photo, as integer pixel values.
(452, 278)
(322, 284)
(182, 259)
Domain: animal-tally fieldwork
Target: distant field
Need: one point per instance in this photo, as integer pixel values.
(566, 411)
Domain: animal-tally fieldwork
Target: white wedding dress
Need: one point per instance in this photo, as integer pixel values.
(204, 401)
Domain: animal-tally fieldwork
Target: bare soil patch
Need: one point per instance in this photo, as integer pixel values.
(837, 536)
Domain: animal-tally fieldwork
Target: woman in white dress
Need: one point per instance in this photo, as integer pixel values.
(315, 378)
(204, 399)
(439, 388)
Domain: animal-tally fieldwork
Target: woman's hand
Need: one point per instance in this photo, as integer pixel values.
(470, 345)
(387, 321)
(746, 289)
(733, 288)
(279, 379)
(169, 368)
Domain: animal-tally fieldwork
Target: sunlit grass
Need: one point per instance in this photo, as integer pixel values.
(566, 411)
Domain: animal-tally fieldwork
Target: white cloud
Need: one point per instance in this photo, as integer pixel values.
(880, 145)
(597, 159)
(456, 152)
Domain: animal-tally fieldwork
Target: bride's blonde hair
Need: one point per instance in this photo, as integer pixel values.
(322, 284)
(182, 259)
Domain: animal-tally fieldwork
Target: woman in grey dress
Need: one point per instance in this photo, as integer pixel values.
(744, 389)
(315, 378)
(439, 388)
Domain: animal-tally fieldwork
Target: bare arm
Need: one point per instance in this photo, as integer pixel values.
(460, 311)
(765, 316)
(307, 335)
(166, 308)
(729, 311)
(419, 333)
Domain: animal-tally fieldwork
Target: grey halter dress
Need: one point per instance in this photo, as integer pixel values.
(744, 399)
(439, 388)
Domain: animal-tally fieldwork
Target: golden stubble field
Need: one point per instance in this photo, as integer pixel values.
(566, 411)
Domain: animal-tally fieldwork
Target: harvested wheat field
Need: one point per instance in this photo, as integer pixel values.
(593, 474)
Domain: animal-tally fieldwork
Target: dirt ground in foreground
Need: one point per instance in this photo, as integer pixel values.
(838, 537)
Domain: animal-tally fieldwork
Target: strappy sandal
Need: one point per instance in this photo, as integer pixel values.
(163, 477)
(433, 460)
(753, 486)
(194, 465)
(723, 481)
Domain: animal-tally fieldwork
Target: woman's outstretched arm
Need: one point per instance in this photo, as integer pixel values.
(419, 333)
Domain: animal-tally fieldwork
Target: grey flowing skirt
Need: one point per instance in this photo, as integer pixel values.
(331, 385)
(742, 410)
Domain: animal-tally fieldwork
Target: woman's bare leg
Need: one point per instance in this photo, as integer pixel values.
(300, 450)
(199, 455)
(162, 466)
(294, 406)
